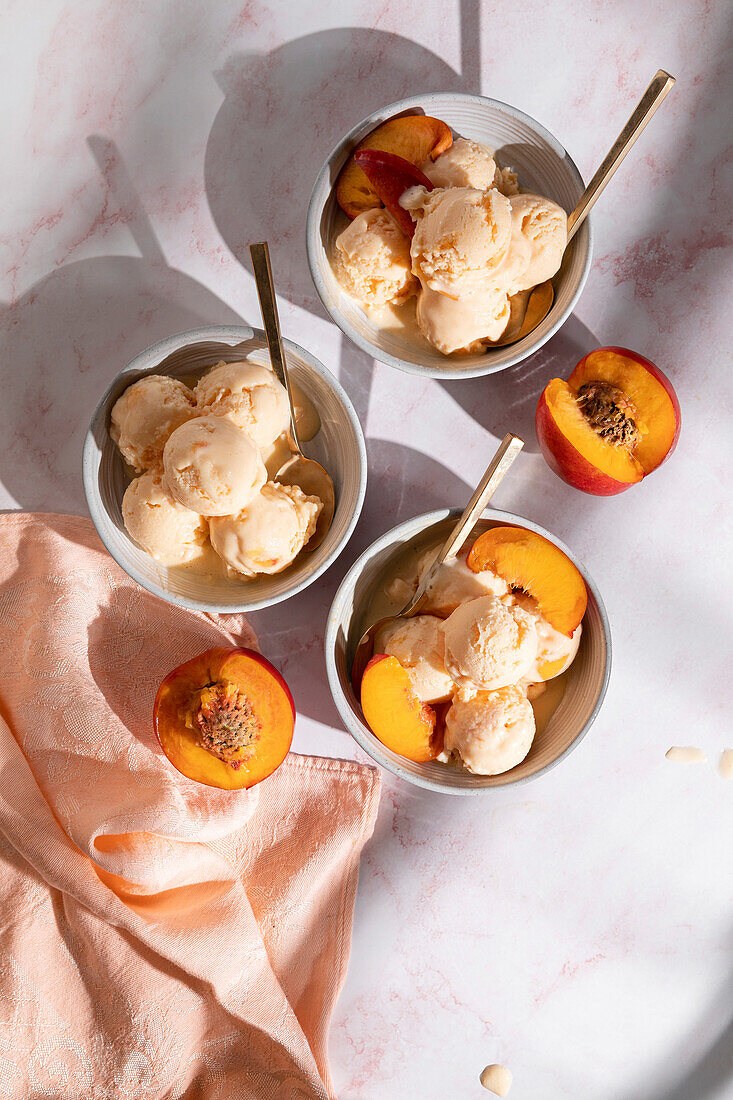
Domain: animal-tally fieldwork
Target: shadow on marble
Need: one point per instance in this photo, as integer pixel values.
(506, 402)
(708, 1077)
(283, 112)
(683, 248)
(64, 340)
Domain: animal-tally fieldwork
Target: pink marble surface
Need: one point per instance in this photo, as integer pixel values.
(580, 929)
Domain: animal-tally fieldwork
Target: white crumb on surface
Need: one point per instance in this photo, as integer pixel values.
(686, 754)
(496, 1079)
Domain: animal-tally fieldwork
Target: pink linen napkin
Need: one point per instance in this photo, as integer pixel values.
(158, 938)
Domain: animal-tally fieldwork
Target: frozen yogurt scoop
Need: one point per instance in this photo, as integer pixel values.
(268, 533)
(417, 643)
(491, 731)
(250, 395)
(169, 532)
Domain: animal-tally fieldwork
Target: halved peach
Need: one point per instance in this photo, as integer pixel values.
(614, 421)
(531, 562)
(225, 718)
(412, 137)
(394, 713)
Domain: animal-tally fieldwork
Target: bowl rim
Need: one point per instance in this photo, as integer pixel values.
(312, 234)
(359, 731)
(145, 362)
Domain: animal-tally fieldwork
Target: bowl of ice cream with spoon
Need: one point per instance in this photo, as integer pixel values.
(447, 249)
(486, 666)
(181, 466)
(488, 198)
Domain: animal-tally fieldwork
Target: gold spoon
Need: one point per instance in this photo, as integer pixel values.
(508, 450)
(529, 307)
(304, 472)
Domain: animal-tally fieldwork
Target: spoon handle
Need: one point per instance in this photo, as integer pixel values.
(648, 104)
(508, 450)
(260, 254)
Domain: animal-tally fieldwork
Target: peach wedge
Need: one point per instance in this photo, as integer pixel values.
(532, 563)
(391, 176)
(412, 137)
(394, 713)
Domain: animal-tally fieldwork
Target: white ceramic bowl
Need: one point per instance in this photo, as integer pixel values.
(587, 677)
(542, 166)
(339, 447)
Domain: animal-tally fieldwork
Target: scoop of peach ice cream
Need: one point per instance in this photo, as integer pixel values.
(506, 181)
(417, 643)
(459, 325)
(555, 651)
(169, 532)
(461, 236)
(491, 731)
(269, 532)
(470, 164)
(250, 395)
(212, 466)
(146, 414)
(465, 163)
(372, 260)
(455, 583)
(538, 240)
(489, 645)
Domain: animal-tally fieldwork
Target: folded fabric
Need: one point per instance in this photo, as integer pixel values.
(159, 938)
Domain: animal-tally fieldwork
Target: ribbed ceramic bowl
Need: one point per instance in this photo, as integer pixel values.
(543, 166)
(587, 677)
(339, 447)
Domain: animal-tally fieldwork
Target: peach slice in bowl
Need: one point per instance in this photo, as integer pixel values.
(411, 138)
(408, 748)
(528, 561)
(395, 714)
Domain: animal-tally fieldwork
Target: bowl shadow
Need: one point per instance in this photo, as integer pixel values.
(509, 397)
(82, 323)
(258, 175)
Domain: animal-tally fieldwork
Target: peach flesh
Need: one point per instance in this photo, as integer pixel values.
(225, 718)
(615, 420)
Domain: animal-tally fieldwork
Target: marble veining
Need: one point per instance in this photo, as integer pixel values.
(579, 930)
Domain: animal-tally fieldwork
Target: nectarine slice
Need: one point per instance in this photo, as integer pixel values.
(531, 562)
(394, 713)
(614, 421)
(225, 718)
(391, 176)
(412, 137)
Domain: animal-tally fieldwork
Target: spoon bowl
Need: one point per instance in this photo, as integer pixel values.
(310, 476)
(528, 309)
